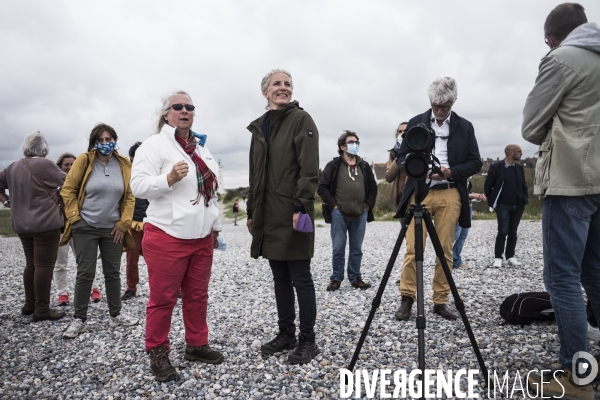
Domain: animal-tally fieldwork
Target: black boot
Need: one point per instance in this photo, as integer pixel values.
(281, 342)
(304, 353)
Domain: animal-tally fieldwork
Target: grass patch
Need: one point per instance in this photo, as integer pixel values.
(5, 228)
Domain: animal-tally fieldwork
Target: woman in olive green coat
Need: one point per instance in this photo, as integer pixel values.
(284, 167)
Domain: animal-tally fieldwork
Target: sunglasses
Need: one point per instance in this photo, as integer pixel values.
(352, 142)
(179, 107)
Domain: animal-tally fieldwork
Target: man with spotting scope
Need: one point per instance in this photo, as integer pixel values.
(445, 196)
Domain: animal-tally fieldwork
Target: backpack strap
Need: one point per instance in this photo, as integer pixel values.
(41, 182)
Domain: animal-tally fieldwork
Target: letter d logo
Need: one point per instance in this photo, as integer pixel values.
(584, 367)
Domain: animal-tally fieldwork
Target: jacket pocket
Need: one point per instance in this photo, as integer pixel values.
(541, 181)
(285, 188)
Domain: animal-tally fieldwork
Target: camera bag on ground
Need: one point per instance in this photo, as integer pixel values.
(522, 308)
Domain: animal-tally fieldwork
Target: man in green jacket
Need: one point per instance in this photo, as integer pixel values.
(562, 115)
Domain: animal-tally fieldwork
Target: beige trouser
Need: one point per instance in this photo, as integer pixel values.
(444, 206)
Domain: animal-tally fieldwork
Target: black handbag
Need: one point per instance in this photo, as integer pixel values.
(522, 308)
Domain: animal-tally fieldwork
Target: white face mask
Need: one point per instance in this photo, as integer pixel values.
(399, 139)
(352, 149)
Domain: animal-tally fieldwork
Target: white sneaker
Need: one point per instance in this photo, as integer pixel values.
(593, 333)
(514, 262)
(497, 263)
(122, 319)
(75, 328)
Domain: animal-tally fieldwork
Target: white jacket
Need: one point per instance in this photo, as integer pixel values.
(171, 208)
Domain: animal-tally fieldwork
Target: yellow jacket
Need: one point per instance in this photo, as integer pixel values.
(73, 194)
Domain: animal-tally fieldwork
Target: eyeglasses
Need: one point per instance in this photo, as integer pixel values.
(352, 142)
(441, 108)
(105, 140)
(179, 107)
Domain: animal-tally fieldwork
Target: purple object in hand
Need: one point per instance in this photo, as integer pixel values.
(304, 224)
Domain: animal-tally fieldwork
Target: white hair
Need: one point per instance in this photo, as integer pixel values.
(35, 145)
(442, 90)
(164, 108)
(264, 84)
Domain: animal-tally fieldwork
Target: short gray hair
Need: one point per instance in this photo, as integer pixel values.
(35, 145)
(442, 90)
(164, 108)
(264, 84)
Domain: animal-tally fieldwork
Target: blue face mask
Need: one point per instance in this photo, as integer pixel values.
(352, 149)
(105, 148)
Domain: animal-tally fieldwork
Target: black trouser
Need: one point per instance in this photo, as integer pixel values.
(508, 223)
(288, 275)
(41, 250)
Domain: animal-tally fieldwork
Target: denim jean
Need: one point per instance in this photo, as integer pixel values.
(508, 223)
(288, 275)
(571, 228)
(460, 236)
(341, 228)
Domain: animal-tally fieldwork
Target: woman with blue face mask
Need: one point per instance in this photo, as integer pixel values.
(99, 210)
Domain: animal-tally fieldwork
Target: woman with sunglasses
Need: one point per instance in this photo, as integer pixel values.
(99, 208)
(284, 168)
(177, 174)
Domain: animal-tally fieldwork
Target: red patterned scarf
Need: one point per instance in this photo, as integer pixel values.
(207, 181)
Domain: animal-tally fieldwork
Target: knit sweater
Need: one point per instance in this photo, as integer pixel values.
(32, 209)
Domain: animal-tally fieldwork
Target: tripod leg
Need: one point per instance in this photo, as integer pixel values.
(419, 257)
(377, 300)
(460, 306)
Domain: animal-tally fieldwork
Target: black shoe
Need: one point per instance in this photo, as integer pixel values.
(333, 286)
(129, 294)
(281, 342)
(444, 311)
(161, 365)
(304, 353)
(203, 353)
(360, 284)
(403, 313)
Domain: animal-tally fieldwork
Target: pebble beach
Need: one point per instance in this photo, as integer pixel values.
(110, 363)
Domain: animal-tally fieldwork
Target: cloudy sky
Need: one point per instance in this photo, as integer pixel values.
(357, 65)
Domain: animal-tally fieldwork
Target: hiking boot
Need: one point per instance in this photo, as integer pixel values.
(403, 313)
(462, 266)
(333, 286)
(281, 342)
(360, 284)
(96, 295)
(203, 353)
(63, 300)
(497, 263)
(122, 319)
(304, 353)
(444, 311)
(560, 384)
(49, 315)
(161, 366)
(129, 294)
(514, 262)
(75, 328)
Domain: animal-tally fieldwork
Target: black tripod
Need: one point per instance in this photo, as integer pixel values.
(420, 214)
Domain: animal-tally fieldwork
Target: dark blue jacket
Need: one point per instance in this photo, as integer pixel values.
(495, 180)
(463, 158)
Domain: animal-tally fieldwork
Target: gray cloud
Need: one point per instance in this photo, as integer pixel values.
(356, 65)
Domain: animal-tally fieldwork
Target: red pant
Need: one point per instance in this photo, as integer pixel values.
(133, 257)
(173, 264)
